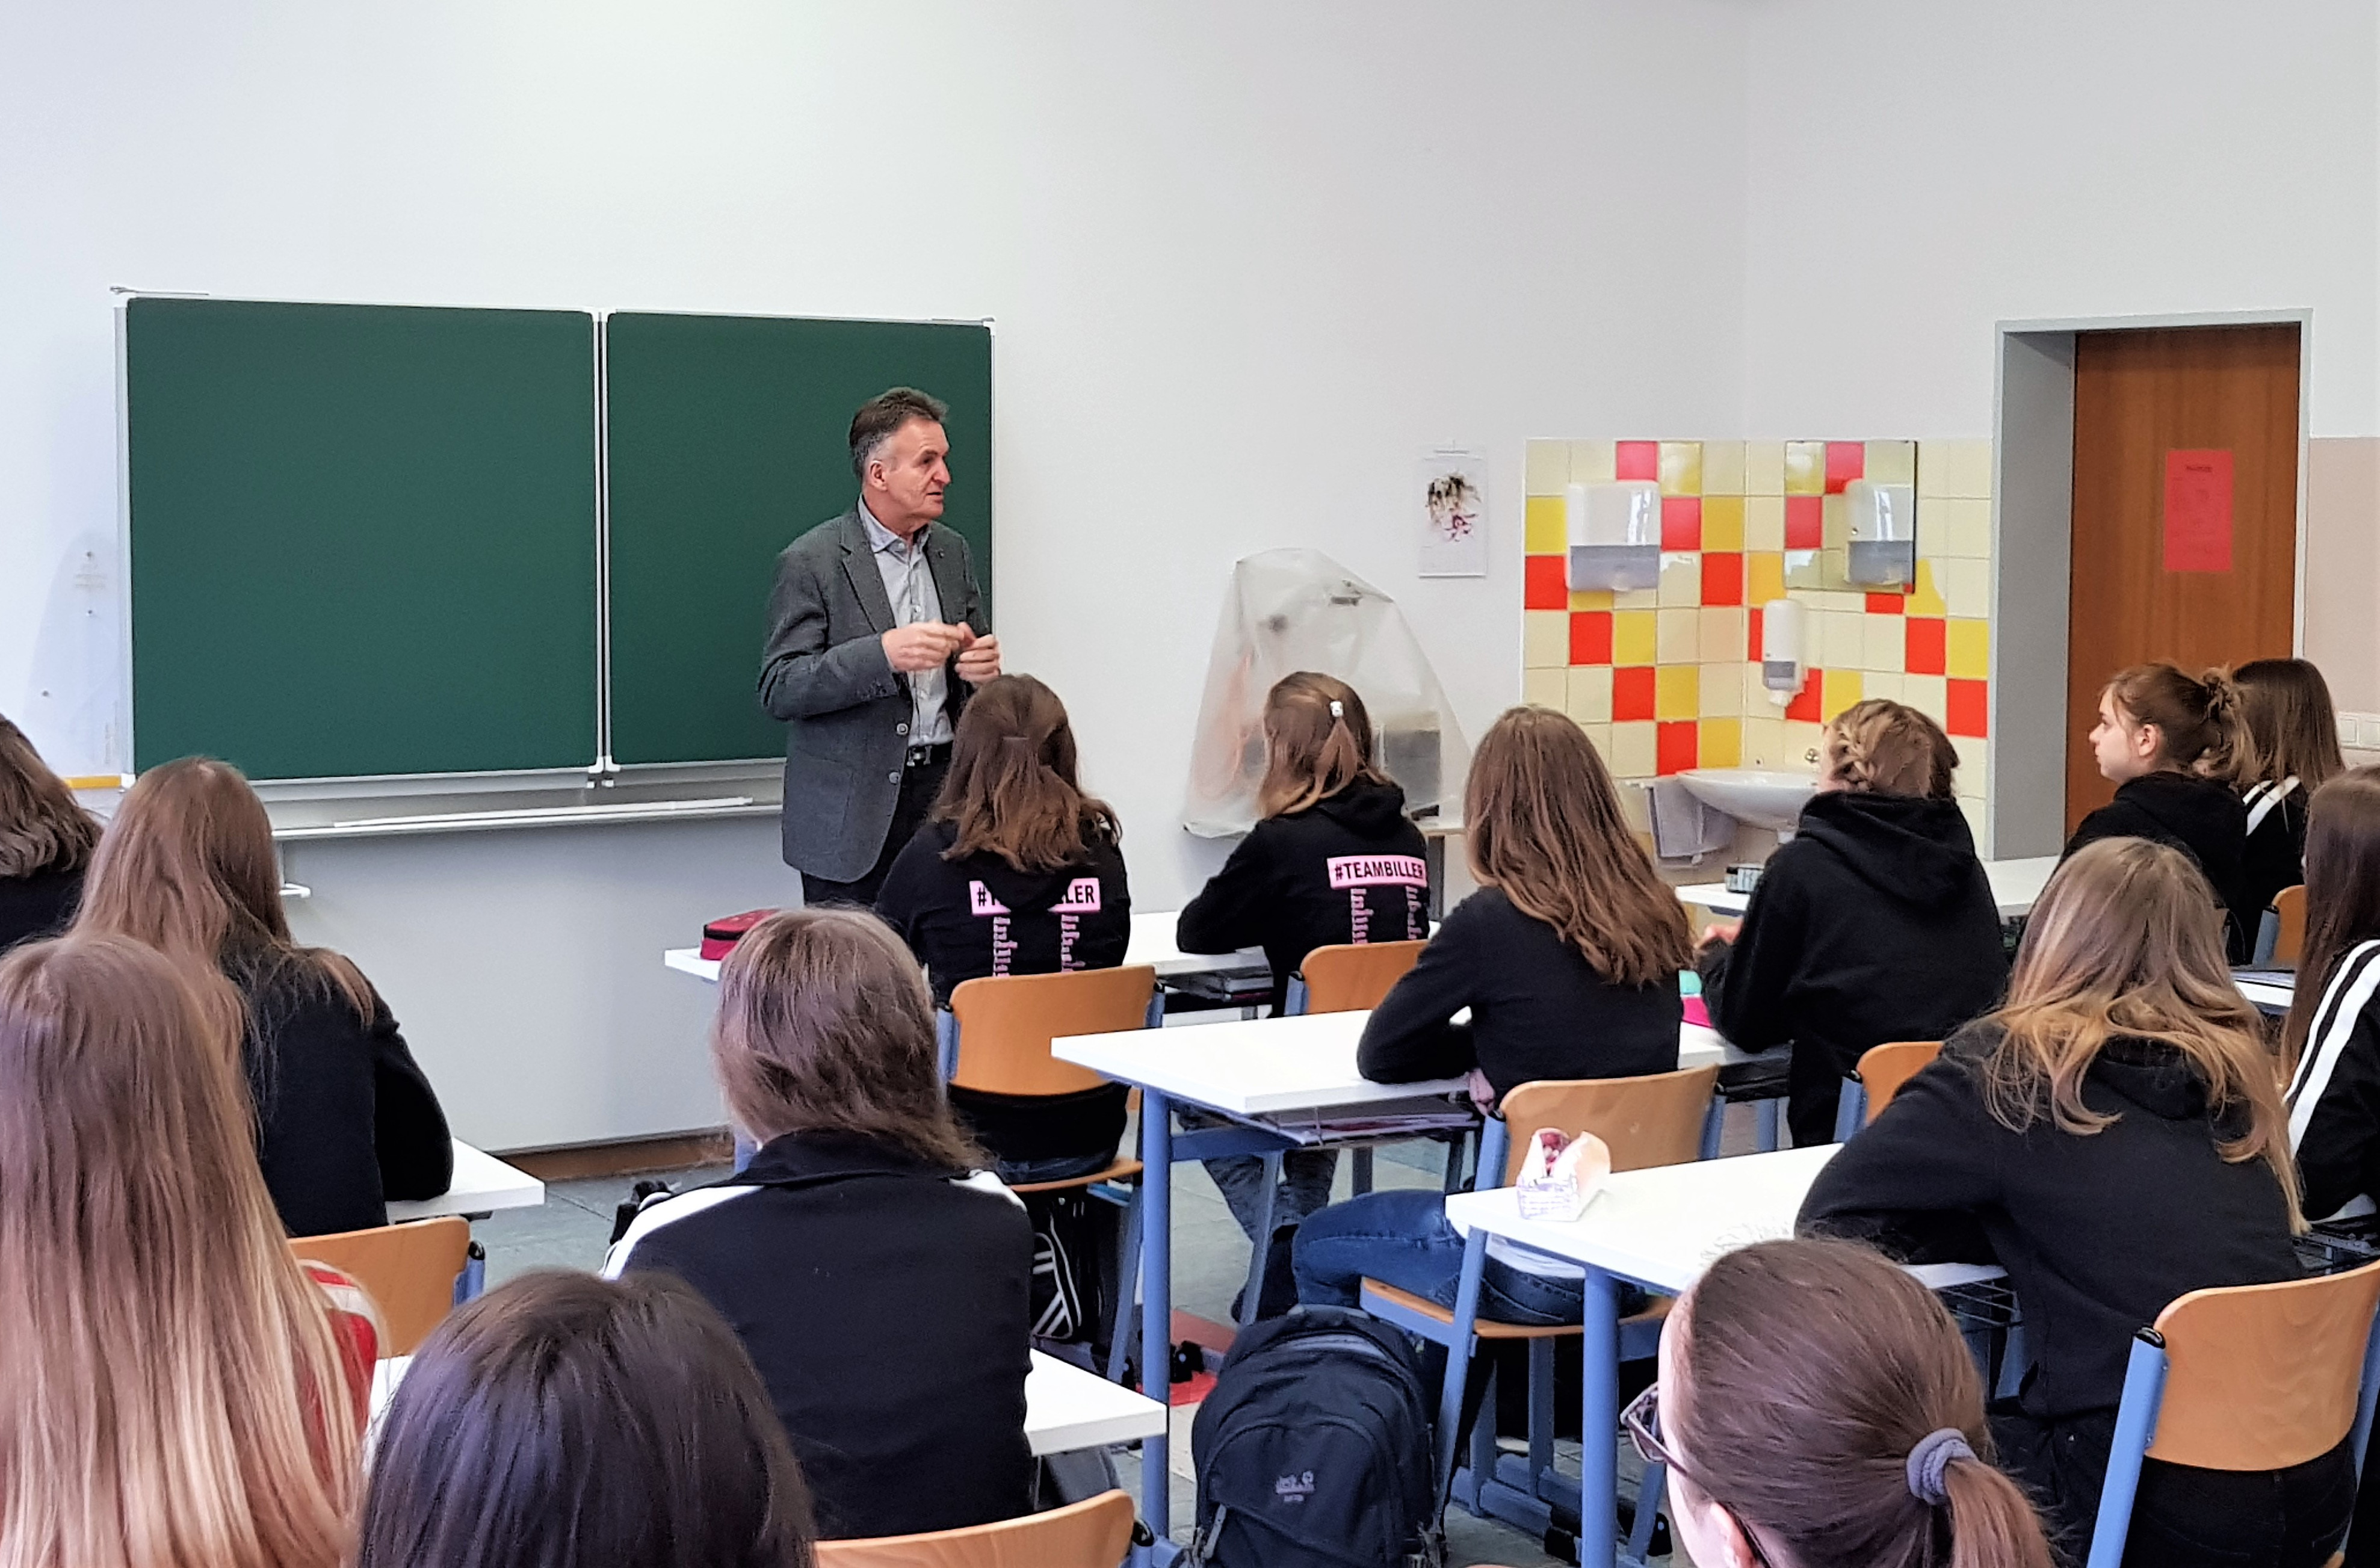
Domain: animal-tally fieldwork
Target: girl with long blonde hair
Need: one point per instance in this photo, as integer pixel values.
(179, 1394)
(2113, 1136)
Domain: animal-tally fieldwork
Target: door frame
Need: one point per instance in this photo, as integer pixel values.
(2033, 523)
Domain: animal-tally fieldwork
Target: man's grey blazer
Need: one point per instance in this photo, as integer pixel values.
(846, 711)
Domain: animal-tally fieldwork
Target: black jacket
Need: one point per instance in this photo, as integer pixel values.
(1349, 869)
(2334, 1093)
(346, 1118)
(1538, 1008)
(884, 1300)
(2197, 816)
(38, 906)
(2275, 853)
(2098, 1233)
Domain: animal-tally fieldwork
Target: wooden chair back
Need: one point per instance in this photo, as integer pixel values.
(1653, 1120)
(1884, 1068)
(2264, 1376)
(1092, 1534)
(1353, 977)
(409, 1270)
(1007, 1021)
(2289, 941)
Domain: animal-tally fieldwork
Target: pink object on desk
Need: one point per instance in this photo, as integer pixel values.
(1697, 1013)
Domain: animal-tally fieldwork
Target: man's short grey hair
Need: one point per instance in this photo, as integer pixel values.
(884, 413)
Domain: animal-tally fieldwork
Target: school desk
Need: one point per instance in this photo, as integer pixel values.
(1153, 943)
(2016, 887)
(483, 1184)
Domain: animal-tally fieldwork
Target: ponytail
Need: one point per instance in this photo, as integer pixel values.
(2202, 727)
(1317, 742)
(1992, 1522)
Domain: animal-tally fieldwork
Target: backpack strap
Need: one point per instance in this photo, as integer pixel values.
(2264, 796)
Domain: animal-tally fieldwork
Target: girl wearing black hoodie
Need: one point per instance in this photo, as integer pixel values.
(1874, 922)
(2114, 1137)
(46, 843)
(2172, 746)
(2332, 1034)
(1332, 859)
(1017, 872)
(2294, 733)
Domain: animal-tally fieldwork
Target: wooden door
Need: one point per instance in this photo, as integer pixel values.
(2140, 398)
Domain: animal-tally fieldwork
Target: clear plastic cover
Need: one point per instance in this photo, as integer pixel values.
(1291, 610)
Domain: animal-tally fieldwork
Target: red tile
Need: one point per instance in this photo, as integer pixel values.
(1590, 636)
(1632, 693)
(1805, 522)
(1887, 603)
(1722, 577)
(1676, 746)
(1547, 584)
(1681, 522)
(1969, 709)
(1804, 706)
(1924, 653)
(1636, 460)
(1752, 636)
(1846, 460)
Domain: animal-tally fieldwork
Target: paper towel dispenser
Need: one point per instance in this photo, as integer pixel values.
(1615, 534)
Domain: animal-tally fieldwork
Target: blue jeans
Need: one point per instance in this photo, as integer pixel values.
(1402, 1238)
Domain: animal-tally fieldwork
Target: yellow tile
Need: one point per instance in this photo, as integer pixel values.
(1764, 522)
(1545, 640)
(1969, 591)
(1890, 462)
(1722, 472)
(1721, 636)
(1925, 598)
(1763, 577)
(1548, 466)
(1593, 462)
(1678, 691)
(1682, 467)
(1928, 694)
(1722, 522)
(1970, 655)
(1545, 689)
(1721, 742)
(1590, 694)
(1681, 578)
(1764, 468)
(1631, 754)
(1547, 526)
(1590, 598)
(1631, 637)
(1722, 691)
(1842, 689)
(1805, 468)
(1677, 637)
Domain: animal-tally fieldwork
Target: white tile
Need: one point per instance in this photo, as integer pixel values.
(1722, 467)
(1548, 466)
(1884, 683)
(1722, 691)
(1632, 753)
(1969, 589)
(1763, 740)
(1935, 461)
(1635, 598)
(1600, 737)
(1978, 823)
(1887, 645)
(1681, 578)
(1962, 527)
(1589, 700)
(1677, 636)
(1842, 639)
(1970, 469)
(1929, 695)
(1593, 461)
(1764, 522)
(1764, 470)
(1802, 742)
(1545, 640)
(1545, 689)
(1722, 633)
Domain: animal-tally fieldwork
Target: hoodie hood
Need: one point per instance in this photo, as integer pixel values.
(1030, 893)
(1915, 851)
(1369, 810)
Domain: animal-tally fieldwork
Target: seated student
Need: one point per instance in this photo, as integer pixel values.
(46, 843)
(561, 1418)
(2333, 1033)
(2171, 745)
(877, 1276)
(2293, 737)
(1332, 859)
(1816, 1406)
(345, 1118)
(1874, 923)
(1567, 958)
(2114, 1137)
(1017, 872)
(180, 1390)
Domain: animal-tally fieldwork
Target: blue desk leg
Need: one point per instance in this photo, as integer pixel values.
(1598, 1468)
(1156, 1297)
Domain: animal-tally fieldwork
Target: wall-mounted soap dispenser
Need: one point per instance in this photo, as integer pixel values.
(1782, 669)
(1615, 534)
(1883, 519)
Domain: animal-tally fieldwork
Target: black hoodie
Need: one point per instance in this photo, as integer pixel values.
(2199, 817)
(1348, 869)
(1874, 923)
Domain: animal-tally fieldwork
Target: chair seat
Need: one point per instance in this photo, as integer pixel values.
(1487, 1328)
(1115, 1172)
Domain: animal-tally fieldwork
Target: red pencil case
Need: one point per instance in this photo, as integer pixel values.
(720, 935)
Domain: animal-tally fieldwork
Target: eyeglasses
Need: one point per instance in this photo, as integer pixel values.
(1642, 1422)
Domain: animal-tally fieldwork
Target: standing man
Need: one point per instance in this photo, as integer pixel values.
(877, 634)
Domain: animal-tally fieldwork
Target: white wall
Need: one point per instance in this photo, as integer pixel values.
(1918, 173)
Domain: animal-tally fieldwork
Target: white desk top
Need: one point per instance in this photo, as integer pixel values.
(2267, 995)
(2016, 887)
(483, 1184)
(1267, 1066)
(1153, 943)
(1663, 1227)
(1065, 1407)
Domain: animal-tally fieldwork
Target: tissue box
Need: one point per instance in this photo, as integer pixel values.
(1561, 1174)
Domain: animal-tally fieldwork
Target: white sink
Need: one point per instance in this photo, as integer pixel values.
(1767, 797)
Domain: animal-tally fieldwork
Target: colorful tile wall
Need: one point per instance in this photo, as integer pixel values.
(1668, 678)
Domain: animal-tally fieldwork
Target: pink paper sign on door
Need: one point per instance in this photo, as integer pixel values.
(2198, 510)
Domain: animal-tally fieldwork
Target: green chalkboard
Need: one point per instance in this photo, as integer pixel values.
(728, 436)
(363, 537)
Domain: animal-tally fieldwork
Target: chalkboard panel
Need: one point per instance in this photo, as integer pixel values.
(363, 537)
(728, 436)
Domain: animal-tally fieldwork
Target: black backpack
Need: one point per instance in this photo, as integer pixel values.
(1314, 1449)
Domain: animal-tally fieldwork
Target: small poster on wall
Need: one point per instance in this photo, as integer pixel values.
(2198, 510)
(1453, 486)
